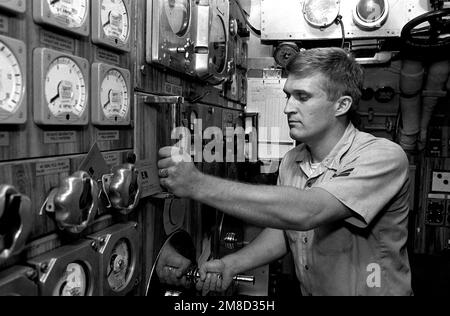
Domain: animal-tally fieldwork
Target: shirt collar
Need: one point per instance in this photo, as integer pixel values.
(341, 148)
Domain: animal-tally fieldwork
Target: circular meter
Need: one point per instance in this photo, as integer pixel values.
(61, 83)
(74, 282)
(72, 16)
(371, 14)
(118, 270)
(16, 6)
(112, 23)
(12, 81)
(178, 13)
(321, 13)
(111, 88)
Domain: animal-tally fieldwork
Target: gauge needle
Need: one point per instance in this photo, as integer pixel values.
(109, 99)
(56, 97)
(109, 20)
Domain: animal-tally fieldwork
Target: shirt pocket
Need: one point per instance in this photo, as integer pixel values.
(332, 240)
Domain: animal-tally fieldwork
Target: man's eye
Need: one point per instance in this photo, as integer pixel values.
(303, 97)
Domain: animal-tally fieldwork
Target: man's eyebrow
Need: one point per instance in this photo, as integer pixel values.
(298, 91)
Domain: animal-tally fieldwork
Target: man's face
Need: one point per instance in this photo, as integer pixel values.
(310, 114)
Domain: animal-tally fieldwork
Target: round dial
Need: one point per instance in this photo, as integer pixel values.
(219, 44)
(115, 19)
(371, 14)
(285, 52)
(73, 13)
(119, 266)
(65, 89)
(114, 96)
(11, 82)
(73, 282)
(178, 14)
(321, 13)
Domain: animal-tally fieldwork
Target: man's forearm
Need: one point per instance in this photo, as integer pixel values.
(269, 246)
(263, 206)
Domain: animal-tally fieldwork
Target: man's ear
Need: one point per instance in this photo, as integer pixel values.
(343, 105)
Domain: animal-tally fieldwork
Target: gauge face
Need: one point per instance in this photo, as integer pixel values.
(73, 282)
(178, 14)
(72, 13)
(321, 13)
(115, 19)
(11, 82)
(371, 14)
(219, 44)
(370, 10)
(285, 52)
(65, 89)
(114, 96)
(119, 266)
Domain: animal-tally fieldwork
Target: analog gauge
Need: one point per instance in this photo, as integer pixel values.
(12, 82)
(371, 14)
(65, 89)
(72, 13)
(218, 44)
(285, 52)
(111, 88)
(74, 282)
(118, 269)
(178, 13)
(115, 19)
(114, 96)
(321, 13)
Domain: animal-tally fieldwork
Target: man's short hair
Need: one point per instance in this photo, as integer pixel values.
(345, 77)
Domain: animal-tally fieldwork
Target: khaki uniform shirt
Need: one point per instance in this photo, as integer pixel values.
(366, 254)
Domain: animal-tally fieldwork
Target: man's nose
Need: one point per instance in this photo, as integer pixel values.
(289, 108)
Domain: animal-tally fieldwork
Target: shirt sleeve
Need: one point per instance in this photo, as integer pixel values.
(368, 180)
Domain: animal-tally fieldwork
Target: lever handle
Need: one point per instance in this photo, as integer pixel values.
(16, 222)
(75, 203)
(122, 188)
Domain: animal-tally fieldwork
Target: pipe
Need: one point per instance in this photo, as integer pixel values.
(411, 84)
(437, 79)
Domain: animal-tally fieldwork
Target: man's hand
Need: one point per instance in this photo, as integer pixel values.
(177, 172)
(173, 267)
(215, 276)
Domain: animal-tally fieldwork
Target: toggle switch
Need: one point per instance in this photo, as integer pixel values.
(16, 222)
(122, 188)
(75, 203)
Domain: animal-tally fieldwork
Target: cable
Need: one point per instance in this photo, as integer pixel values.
(341, 23)
(245, 15)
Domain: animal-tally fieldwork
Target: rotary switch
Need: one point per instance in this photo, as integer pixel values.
(16, 222)
(122, 189)
(75, 203)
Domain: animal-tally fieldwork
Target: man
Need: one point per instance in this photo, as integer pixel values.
(341, 205)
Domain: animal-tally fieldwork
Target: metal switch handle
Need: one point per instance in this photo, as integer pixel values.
(16, 222)
(75, 203)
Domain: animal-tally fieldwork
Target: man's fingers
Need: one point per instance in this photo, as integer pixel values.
(207, 285)
(165, 163)
(167, 152)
